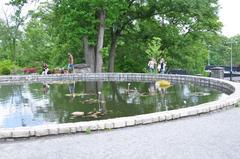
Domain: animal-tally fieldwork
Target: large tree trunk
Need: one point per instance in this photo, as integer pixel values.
(99, 59)
(112, 52)
(85, 48)
(89, 54)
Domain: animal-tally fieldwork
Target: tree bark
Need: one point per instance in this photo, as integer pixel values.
(99, 59)
(89, 54)
(112, 52)
(85, 48)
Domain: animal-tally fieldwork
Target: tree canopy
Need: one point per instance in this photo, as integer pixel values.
(114, 35)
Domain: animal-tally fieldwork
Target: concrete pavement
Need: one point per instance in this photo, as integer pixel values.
(210, 136)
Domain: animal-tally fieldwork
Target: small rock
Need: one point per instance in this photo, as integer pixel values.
(97, 113)
(78, 113)
(90, 113)
(94, 116)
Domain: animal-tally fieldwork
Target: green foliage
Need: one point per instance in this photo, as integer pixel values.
(131, 58)
(179, 30)
(6, 66)
(5, 71)
(18, 2)
(88, 131)
(105, 56)
(238, 104)
(108, 129)
(220, 51)
(154, 49)
(36, 45)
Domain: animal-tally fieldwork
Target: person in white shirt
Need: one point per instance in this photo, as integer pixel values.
(151, 65)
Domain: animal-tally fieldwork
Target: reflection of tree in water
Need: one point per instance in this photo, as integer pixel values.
(22, 107)
(116, 95)
(161, 100)
(101, 99)
(45, 88)
(113, 100)
(18, 101)
(97, 89)
(86, 100)
(101, 103)
(133, 95)
(130, 98)
(6, 92)
(61, 106)
(22, 100)
(192, 94)
(152, 89)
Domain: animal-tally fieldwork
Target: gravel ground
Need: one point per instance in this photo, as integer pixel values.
(211, 136)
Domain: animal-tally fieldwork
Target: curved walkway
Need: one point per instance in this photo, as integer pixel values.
(210, 136)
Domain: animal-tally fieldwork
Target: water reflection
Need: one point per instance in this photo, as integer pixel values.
(152, 89)
(101, 104)
(36, 104)
(71, 88)
(45, 88)
(133, 95)
(163, 99)
(93, 96)
(19, 108)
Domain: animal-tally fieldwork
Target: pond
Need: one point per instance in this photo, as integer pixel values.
(42, 103)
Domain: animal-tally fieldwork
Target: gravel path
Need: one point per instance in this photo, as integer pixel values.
(210, 136)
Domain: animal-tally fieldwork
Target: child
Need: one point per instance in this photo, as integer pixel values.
(45, 69)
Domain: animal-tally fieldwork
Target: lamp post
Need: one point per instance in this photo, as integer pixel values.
(231, 64)
(231, 59)
(209, 55)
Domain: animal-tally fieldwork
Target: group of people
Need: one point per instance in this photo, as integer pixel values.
(161, 66)
(70, 66)
(152, 65)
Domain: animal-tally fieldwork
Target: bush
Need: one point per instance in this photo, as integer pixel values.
(5, 71)
(30, 70)
(6, 66)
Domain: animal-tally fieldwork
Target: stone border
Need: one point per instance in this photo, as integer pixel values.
(54, 129)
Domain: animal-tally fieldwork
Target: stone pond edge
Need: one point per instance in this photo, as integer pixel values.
(56, 129)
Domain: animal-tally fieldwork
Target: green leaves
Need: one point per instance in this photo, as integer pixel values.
(154, 49)
(18, 2)
(176, 30)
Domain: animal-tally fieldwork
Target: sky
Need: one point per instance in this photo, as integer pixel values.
(228, 14)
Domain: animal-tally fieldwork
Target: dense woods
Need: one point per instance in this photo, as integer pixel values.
(116, 35)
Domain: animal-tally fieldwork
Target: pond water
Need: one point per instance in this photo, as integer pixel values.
(38, 103)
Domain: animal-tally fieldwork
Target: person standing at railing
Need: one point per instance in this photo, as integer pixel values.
(151, 65)
(70, 63)
(162, 66)
(45, 69)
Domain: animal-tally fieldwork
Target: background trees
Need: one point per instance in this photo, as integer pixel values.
(113, 35)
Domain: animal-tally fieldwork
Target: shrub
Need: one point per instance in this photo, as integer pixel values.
(30, 70)
(5, 71)
(6, 66)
